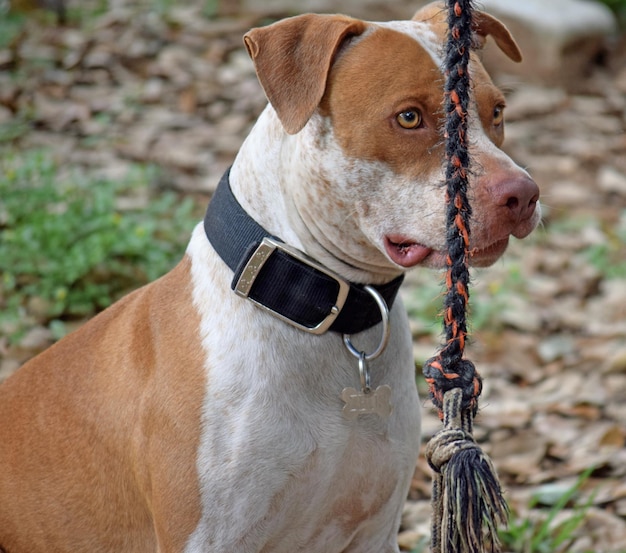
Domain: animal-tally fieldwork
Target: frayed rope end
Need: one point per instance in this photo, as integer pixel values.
(467, 498)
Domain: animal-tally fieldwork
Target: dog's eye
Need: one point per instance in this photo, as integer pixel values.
(409, 119)
(498, 115)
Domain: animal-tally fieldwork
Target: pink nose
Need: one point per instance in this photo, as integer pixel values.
(519, 195)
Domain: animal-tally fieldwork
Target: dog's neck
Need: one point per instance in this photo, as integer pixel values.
(269, 169)
(257, 177)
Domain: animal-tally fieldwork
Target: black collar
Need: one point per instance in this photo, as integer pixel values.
(283, 280)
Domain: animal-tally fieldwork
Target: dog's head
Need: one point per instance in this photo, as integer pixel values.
(361, 104)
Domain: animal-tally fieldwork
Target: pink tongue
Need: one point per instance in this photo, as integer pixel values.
(404, 252)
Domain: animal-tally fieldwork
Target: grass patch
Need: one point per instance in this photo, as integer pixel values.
(490, 295)
(618, 7)
(68, 247)
(84, 13)
(545, 534)
(609, 258)
(423, 300)
(422, 546)
(13, 129)
(11, 26)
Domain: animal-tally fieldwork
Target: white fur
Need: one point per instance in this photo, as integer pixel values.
(273, 429)
(280, 468)
(422, 33)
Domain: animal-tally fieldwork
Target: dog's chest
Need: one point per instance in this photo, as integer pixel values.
(278, 463)
(278, 472)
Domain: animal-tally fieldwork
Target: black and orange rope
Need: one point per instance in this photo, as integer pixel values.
(448, 369)
(467, 498)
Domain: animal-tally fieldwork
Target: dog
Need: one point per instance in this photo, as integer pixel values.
(227, 408)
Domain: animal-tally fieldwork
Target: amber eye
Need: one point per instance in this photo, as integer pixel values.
(409, 119)
(498, 115)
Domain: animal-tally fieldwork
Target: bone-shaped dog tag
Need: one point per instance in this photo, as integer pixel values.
(361, 403)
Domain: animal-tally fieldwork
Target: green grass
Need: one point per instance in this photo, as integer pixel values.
(422, 546)
(14, 128)
(545, 534)
(618, 7)
(424, 298)
(607, 257)
(84, 13)
(548, 530)
(10, 27)
(66, 247)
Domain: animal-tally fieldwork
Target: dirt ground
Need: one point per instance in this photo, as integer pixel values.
(549, 320)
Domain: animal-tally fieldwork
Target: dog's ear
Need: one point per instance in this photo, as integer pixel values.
(292, 59)
(483, 25)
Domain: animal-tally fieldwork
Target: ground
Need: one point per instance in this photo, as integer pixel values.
(175, 88)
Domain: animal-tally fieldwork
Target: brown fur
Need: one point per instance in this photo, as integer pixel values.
(90, 418)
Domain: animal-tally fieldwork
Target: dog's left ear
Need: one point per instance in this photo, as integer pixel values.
(485, 25)
(292, 59)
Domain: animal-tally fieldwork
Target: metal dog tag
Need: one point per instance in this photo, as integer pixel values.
(363, 403)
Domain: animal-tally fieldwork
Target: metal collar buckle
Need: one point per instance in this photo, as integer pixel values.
(255, 264)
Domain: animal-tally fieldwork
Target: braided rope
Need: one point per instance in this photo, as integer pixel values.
(467, 499)
(448, 369)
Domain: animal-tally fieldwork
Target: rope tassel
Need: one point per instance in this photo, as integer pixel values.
(467, 499)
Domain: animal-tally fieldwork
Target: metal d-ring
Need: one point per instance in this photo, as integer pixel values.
(364, 374)
(384, 312)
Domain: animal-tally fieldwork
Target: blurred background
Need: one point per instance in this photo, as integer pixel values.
(117, 119)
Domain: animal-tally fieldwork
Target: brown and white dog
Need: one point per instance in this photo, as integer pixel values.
(185, 418)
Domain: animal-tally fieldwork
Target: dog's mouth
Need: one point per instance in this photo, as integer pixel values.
(408, 253)
(404, 251)
(488, 256)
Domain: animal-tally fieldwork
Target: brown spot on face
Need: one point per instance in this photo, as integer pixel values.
(364, 208)
(379, 77)
(489, 99)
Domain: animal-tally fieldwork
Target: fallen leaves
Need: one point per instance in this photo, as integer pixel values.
(549, 321)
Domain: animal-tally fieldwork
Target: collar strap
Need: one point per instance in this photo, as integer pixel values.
(284, 280)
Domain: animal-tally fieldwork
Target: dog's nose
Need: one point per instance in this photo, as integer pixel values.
(519, 195)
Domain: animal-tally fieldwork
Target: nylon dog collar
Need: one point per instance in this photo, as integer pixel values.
(283, 280)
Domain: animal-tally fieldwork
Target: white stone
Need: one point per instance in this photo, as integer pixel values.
(559, 39)
(560, 19)
(612, 180)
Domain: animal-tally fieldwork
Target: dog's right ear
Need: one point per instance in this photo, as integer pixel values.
(292, 59)
(483, 25)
